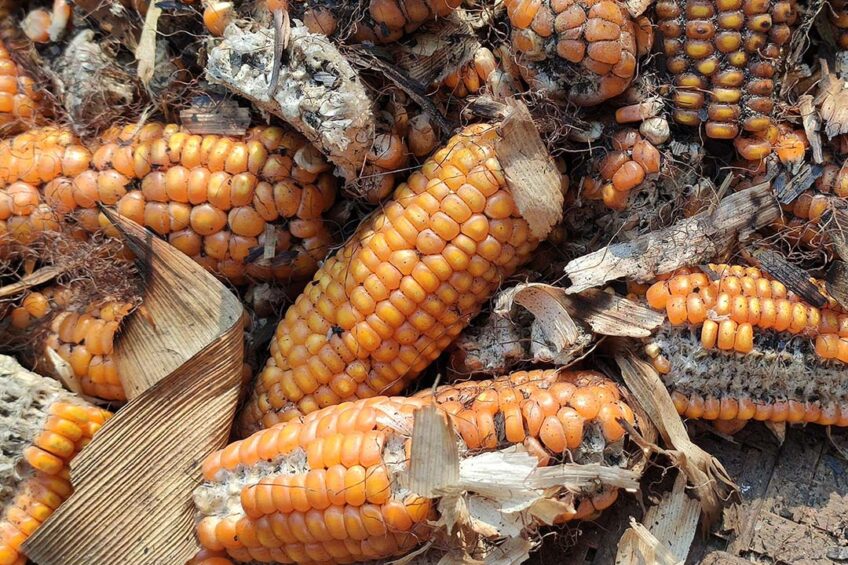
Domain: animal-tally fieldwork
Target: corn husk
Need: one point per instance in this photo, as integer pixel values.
(182, 367)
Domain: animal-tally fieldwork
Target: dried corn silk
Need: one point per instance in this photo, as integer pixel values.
(42, 427)
(401, 289)
(326, 488)
(585, 51)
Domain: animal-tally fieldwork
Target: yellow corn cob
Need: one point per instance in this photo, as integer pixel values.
(385, 306)
(82, 334)
(215, 198)
(324, 489)
(44, 428)
(724, 57)
(584, 50)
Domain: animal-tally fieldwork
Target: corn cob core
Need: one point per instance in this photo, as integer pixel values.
(325, 489)
(742, 300)
(376, 21)
(723, 56)
(401, 289)
(785, 381)
(82, 334)
(632, 161)
(586, 50)
(18, 94)
(219, 200)
(42, 427)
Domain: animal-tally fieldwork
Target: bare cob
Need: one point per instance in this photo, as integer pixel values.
(380, 310)
(325, 488)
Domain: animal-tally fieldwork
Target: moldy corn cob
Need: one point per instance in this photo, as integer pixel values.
(43, 428)
(401, 289)
(377, 21)
(81, 333)
(631, 161)
(216, 199)
(724, 57)
(325, 489)
(587, 50)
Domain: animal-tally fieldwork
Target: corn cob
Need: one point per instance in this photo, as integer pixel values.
(323, 489)
(19, 96)
(587, 50)
(784, 382)
(632, 161)
(44, 427)
(386, 305)
(741, 300)
(376, 21)
(724, 56)
(216, 199)
(471, 77)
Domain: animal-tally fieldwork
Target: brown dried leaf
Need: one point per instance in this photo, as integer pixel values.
(812, 125)
(691, 241)
(434, 455)
(710, 482)
(836, 281)
(795, 278)
(611, 314)
(835, 221)
(183, 375)
(531, 173)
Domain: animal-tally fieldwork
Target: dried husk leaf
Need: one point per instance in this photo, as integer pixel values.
(710, 481)
(531, 173)
(145, 53)
(219, 117)
(432, 54)
(837, 282)
(610, 314)
(832, 101)
(36, 278)
(545, 303)
(812, 125)
(691, 241)
(434, 456)
(835, 223)
(793, 277)
(132, 501)
(672, 524)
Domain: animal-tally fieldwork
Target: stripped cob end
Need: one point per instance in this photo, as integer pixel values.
(42, 427)
(327, 488)
(401, 289)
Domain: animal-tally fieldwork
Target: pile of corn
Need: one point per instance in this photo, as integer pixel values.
(323, 442)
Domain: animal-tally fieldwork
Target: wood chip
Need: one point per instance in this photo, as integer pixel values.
(707, 476)
(795, 278)
(531, 173)
(689, 242)
(132, 502)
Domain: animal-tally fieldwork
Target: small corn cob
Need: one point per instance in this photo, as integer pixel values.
(324, 489)
(377, 21)
(19, 96)
(741, 300)
(82, 335)
(587, 50)
(837, 13)
(724, 57)
(401, 289)
(43, 428)
(785, 382)
(216, 199)
(632, 161)
(471, 77)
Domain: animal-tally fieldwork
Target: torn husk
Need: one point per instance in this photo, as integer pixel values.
(707, 476)
(691, 241)
(138, 474)
(318, 91)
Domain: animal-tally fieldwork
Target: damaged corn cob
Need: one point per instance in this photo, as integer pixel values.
(401, 289)
(377, 21)
(81, 334)
(760, 346)
(632, 161)
(326, 489)
(724, 57)
(220, 200)
(585, 50)
(18, 94)
(43, 428)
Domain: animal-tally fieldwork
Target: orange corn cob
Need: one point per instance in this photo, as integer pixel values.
(45, 427)
(377, 21)
(324, 489)
(207, 557)
(587, 50)
(471, 77)
(216, 199)
(724, 56)
(785, 382)
(82, 334)
(18, 94)
(632, 161)
(741, 300)
(401, 289)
